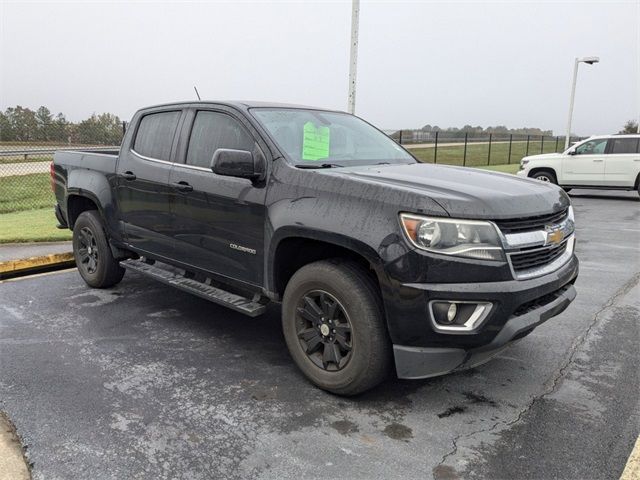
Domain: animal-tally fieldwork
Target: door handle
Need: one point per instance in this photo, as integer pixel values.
(182, 186)
(129, 176)
(597, 160)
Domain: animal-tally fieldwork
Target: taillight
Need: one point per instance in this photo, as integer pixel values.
(53, 177)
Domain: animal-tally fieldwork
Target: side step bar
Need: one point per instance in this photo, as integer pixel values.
(208, 292)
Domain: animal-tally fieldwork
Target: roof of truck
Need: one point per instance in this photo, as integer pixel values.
(241, 104)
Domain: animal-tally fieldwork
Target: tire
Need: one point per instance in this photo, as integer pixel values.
(545, 176)
(91, 251)
(346, 298)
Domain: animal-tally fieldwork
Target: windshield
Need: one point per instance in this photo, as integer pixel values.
(311, 137)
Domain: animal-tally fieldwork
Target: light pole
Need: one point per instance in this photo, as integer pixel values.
(588, 61)
(355, 14)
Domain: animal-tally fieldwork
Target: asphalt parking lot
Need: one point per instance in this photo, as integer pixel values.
(144, 381)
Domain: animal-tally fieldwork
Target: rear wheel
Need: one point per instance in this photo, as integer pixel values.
(91, 250)
(545, 176)
(333, 324)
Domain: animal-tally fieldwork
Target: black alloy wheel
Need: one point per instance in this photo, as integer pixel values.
(324, 330)
(88, 251)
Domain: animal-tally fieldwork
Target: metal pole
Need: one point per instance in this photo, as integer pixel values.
(510, 142)
(355, 14)
(556, 149)
(400, 138)
(571, 99)
(464, 156)
(435, 150)
(542, 144)
(527, 154)
(489, 154)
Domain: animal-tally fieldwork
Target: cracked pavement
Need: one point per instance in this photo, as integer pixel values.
(144, 381)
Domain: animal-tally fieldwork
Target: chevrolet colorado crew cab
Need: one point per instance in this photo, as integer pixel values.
(380, 262)
(610, 162)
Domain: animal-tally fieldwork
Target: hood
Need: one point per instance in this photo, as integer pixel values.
(542, 155)
(465, 192)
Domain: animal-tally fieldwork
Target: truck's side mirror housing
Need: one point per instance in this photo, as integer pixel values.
(238, 163)
(571, 151)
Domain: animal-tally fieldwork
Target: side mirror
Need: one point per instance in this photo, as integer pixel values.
(571, 151)
(238, 163)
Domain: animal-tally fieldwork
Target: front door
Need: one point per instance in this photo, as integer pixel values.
(586, 166)
(142, 191)
(218, 220)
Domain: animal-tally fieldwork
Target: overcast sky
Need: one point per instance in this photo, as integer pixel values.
(439, 63)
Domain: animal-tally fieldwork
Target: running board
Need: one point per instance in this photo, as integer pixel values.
(203, 290)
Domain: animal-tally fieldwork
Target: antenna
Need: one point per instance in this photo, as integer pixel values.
(197, 94)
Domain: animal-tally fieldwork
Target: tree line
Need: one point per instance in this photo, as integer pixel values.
(20, 124)
(453, 131)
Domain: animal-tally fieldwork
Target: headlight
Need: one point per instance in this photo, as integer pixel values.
(523, 163)
(463, 238)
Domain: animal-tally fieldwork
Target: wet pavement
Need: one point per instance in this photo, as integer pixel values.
(145, 381)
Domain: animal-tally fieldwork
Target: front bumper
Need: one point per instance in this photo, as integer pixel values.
(532, 302)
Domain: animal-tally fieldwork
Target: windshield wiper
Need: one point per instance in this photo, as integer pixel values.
(315, 165)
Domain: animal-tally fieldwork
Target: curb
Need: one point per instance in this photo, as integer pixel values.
(13, 464)
(632, 469)
(15, 268)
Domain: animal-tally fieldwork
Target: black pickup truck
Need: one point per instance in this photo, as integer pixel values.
(378, 260)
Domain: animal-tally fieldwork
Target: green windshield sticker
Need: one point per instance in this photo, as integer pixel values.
(315, 142)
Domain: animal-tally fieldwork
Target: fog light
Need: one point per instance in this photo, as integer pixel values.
(458, 316)
(451, 313)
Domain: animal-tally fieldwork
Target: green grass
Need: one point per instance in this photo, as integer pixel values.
(25, 192)
(513, 168)
(478, 154)
(31, 226)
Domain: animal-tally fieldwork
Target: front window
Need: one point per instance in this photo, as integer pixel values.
(313, 136)
(211, 131)
(592, 147)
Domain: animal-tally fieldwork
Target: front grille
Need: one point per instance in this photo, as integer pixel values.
(519, 225)
(536, 257)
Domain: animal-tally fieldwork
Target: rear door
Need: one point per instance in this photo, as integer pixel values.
(586, 166)
(218, 220)
(622, 161)
(142, 190)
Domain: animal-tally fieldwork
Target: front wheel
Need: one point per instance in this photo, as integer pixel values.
(545, 176)
(334, 326)
(91, 251)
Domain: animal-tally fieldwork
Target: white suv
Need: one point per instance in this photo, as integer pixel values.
(606, 162)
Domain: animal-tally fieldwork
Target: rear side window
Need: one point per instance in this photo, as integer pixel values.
(211, 131)
(155, 135)
(625, 145)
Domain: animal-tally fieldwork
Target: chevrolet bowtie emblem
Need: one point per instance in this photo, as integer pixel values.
(554, 236)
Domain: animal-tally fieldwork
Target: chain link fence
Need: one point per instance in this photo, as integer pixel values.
(25, 181)
(26, 196)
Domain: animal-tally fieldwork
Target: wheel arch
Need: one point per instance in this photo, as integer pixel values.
(535, 170)
(548, 169)
(81, 202)
(295, 248)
